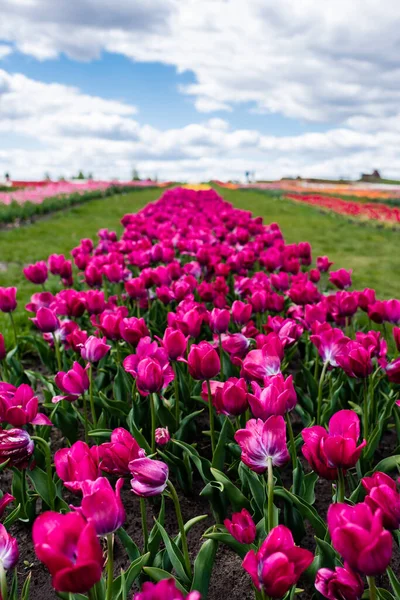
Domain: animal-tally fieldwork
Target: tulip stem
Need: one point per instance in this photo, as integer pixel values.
(14, 328)
(144, 523)
(320, 389)
(221, 358)
(270, 491)
(211, 413)
(293, 451)
(93, 411)
(365, 407)
(181, 526)
(176, 384)
(47, 453)
(340, 492)
(110, 565)
(57, 350)
(85, 415)
(372, 588)
(3, 582)
(153, 421)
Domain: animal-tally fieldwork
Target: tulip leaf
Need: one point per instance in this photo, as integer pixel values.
(257, 489)
(394, 582)
(101, 433)
(155, 534)
(203, 566)
(159, 574)
(175, 555)
(306, 510)
(129, 576)
(391, 463)
(188, 526)
(137, 434)
(184, 424)
(45, 488)
(202, 464)
(308, 487)
(385, 595)
(227, 430)
(229, 540)
(128, 543)
(12, 516)
(26, 587)
(235, 496)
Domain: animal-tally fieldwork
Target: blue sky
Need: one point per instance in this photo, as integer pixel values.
(199, 89)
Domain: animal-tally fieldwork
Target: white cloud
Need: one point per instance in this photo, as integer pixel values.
(4, 51)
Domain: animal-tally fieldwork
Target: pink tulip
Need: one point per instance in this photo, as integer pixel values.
(19, 406)
(162, 436)
(77, 464)
(323, 264)
(329, 342)
(95, 302)
(37, 272)
(16, 446)
(116, 455)
(219, 320)
(276, 398)
(9, 552)
(241, 312)
(262, 363)
(203, 361)
(358, 535)
(94, 349)
(8, 299)
(149, 477)
(340, 278)
(382, 494)
(365, 298)
(236, 345)
(313, 451)
(242, 527)
(46, 320)
(393, 371)
(355, 360)
(396, 337)
(261, 441)
(70, 549)
(278, 564)
(132, 330)
(164, 590)
(231, 397)
(5, 500)
(101, 505)
(340, 584)
(174, 343)
(56, 263)
(73, 383)
(392, 308)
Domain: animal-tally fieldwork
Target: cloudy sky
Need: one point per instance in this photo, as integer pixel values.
(199, 89)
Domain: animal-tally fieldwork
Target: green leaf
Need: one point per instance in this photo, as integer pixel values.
(129, 577)
(159, 574)
(385, 595)
(155, 534)
(388, 464)
(175, 555)
(180, 433)
(45, 489)
(257, 489)
(12, 516)
(137, 434)
(26, 587)
(308, 487)
(128, 543)
(235, 496)
(203, 566)
(188, 526)
(394, 582)
(229, 540)
(306, 510)
(101, 433)
(227, 431)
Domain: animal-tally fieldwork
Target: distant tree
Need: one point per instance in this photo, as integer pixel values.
(61, 178)
(135, 175)
(7, 176)
(47, 177)
(80, 175)
(90, 176)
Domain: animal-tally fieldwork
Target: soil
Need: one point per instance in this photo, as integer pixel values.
(228, 574)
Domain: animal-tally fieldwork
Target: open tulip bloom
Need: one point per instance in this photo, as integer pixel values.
(198, 353)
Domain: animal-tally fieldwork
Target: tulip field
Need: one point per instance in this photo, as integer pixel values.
(199, 402)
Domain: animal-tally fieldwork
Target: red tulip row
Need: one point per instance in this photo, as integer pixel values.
(200, 307)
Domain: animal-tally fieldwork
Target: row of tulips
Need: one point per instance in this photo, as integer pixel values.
(201, 347)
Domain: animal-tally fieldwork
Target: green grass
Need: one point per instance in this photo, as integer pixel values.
(370, 251)
(58, 234)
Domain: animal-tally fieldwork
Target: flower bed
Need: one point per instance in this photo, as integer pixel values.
(212, 414)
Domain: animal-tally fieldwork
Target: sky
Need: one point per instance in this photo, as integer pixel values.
(199, 89)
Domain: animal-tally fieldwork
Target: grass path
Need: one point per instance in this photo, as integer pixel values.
(372, 253)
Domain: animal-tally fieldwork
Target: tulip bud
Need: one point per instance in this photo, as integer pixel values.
(162, 436)
(36, 273)
(46, 320)
(8, 301)
(241, 312)
(203, 361)
(16, 446)
(383, 494)
(174, 343)
(242, 527)
(219, 320)
(149, 477)
(323, 264)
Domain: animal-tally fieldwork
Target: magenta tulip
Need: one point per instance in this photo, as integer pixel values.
(37, 272)
(73, 383)
(5, 500)
(94, 349)
(149, 477)
(262, 363)
(242, 527)
(340, 584)
(355, 360)
(313, 452)
(393, 371)
(231, 397)
(219, 320)
(261, 441)
(164, 590)
(46, 320)
(329, 342)
(278, 563)
(382, 494)
(9, 552)
(241, 312)
(16, 446)
(174, 343)
(101, 505)
(323, 264)
(276, 398)
(70, 549)
(357, 533)
(8, 299)
(19, 406)
(77, 464)
(116, 455)
(340, 278)
(132, 330)
(203, 361)
(162, 436)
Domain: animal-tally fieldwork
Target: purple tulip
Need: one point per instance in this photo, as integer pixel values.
(8, 299)
(261, 441)
(149, 477)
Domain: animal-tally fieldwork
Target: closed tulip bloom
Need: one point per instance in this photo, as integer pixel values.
(101, 505)
(203, 361)
(8, 299)
(341, 278)
(174, 343)
(95, 302)
(241, 312)
(9, 553)
(116, 455)
(149, 477)
(276, 398)
(5, 500)
(219, 320)
(340, 584)
(16, 446)
(162, 436)
(231, 397)
(150, 376)
(323, 264)
(19, 406)
(278, 563)
(392, 311)
(56, 263)
(358, 535)
(73, 383)
(94, 349)
(164, 590)
(261, 441)
(314, 453)
(355, 360)
(70, 549)
(76, 464)
(382, 493)
(365, 298)
(393, 371)
(242, 527)
(340, 445)
(132, 330)
(46, 320)
(37, 272)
